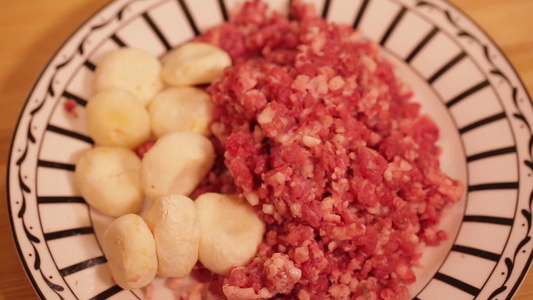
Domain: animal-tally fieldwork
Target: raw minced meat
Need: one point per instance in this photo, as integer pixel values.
(321, 138)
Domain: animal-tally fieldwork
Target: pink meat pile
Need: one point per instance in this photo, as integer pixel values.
(322, 139)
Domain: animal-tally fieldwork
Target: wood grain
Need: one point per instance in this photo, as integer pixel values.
(32, 30)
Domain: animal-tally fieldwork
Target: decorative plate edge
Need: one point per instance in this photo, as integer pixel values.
(495, 71)
(30, 139)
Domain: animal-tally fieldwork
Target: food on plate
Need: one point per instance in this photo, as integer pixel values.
(130, 250)
(313, 174)
(230, 232)
(111, 177)
(323, 139)
(108, 178)
(194, 63)
(174, 222)
(176, 164)
(181, 109)
(117, 118)
(132, 70)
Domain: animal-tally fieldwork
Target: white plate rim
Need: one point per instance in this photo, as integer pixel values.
(444, 10)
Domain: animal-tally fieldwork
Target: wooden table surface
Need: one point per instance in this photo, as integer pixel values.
(31, 31)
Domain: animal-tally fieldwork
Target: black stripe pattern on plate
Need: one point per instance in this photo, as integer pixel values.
(422, 44)
(446, 67)
(491, 153)
(156, 30)
(393, 25)
(360, 13)
(67, 233)
(223, 10)
(189, 17)
(493, 186)
(89, 65)
(482, 122)
(69, 133)
(325, 10)
(62, 199)
(467, 93)
(474, 291)
(107, 293)
(476, 252)
(55, 165)
(82, 266)
(78, 99)
(117, 40)
(488, 220)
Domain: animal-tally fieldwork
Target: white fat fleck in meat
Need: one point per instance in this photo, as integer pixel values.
(296, 209)
(303, 295)
(374, 210)
(388, 173)
(336, 83)
(252, 198)
(332, 218)
(369, 63)
(281, 274)
(268, 209)
(301, 254)
(341, 292)
(327, 204)
(278, 177)
(405, 166)
(300, 82)
(236, 293)
(266, 116)
(310, 141)
(332, 246)
(318, 85)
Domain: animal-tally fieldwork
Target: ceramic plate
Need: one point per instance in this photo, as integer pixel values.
(461, 78)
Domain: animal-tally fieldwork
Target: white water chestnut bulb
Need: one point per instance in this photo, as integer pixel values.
(130, 251)
(132, 70)
(176, 164)
(174, 223)
(230, 232)
(108, 178)
(181, 109)
(116, 118)
(194, 63)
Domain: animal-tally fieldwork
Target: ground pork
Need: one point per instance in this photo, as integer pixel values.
(314, 130)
